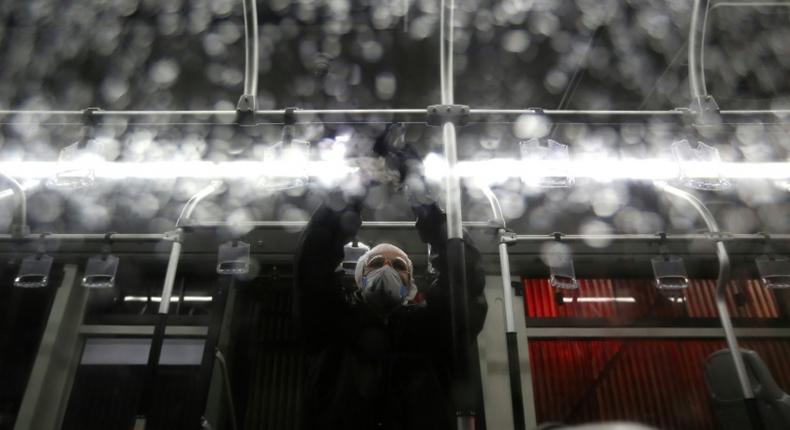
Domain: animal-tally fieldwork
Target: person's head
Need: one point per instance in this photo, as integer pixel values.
(385, 277)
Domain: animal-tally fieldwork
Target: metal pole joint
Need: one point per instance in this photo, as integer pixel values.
(89, 117)
(176, 235)
(438, 115)
(703, 110)
(245, 110)
(19, 230)
(289, 115)
(508, 237)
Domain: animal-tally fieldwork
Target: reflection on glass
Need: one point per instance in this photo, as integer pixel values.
(563, 275)
(774, 271)
(34, 271)
(233, 258)
(100, 271)
(76, 167)
(352, 251)
(669, 272)
(546, 165)
(700, 167)
(286, 165)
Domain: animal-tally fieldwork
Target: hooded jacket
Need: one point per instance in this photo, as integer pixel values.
(363, 372)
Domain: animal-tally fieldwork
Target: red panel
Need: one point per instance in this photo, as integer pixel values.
(655, 382)
(625, 300)
(584, 303)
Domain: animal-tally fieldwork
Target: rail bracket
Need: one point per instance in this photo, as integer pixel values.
(438, 115)
(19, 231)
(176, 235)
(704, 110)
(289, 116)
(245, 110)
(508, 237)
(89, 117)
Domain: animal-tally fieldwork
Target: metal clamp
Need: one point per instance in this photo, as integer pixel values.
(508, 237)
(289, 116)
(702, 110)
(19, 231)
(704, 104)
(289, 120)
(176, 235)
(245, 110)
(662, 243)
(89, 116)
(107, 247)
(438, 115)
(767, 248)
(89, 122)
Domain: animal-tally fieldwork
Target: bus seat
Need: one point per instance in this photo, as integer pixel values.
(727, 398)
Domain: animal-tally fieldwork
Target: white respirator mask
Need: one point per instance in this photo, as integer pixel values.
(384, 288)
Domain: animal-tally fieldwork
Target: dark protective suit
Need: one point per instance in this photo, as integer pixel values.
(363, 373)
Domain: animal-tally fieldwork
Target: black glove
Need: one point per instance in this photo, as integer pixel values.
(431, 224)
(390, 140)
(404, 159)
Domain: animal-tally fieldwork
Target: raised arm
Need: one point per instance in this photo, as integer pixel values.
(432, 227)
(319, 301)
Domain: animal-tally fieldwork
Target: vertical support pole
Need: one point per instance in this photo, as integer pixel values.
(516, 396)
(215, 329)
(170, 275)
(452, 183)
(146, 402)
(462, 386)
(463, 391)
(511, 337)
(217, 389)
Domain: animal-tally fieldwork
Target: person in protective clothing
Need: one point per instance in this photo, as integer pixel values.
(378, 356)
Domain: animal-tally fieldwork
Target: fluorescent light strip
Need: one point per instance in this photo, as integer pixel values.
(599, 299)
(172, 299)
(613, 299)
(486, 170)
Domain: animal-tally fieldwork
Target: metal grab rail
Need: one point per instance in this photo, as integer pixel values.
(117, 237)
(721, 285)
(250, 48)
(21, 227)
(695, 46)
(371, 116)
(186, 212)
